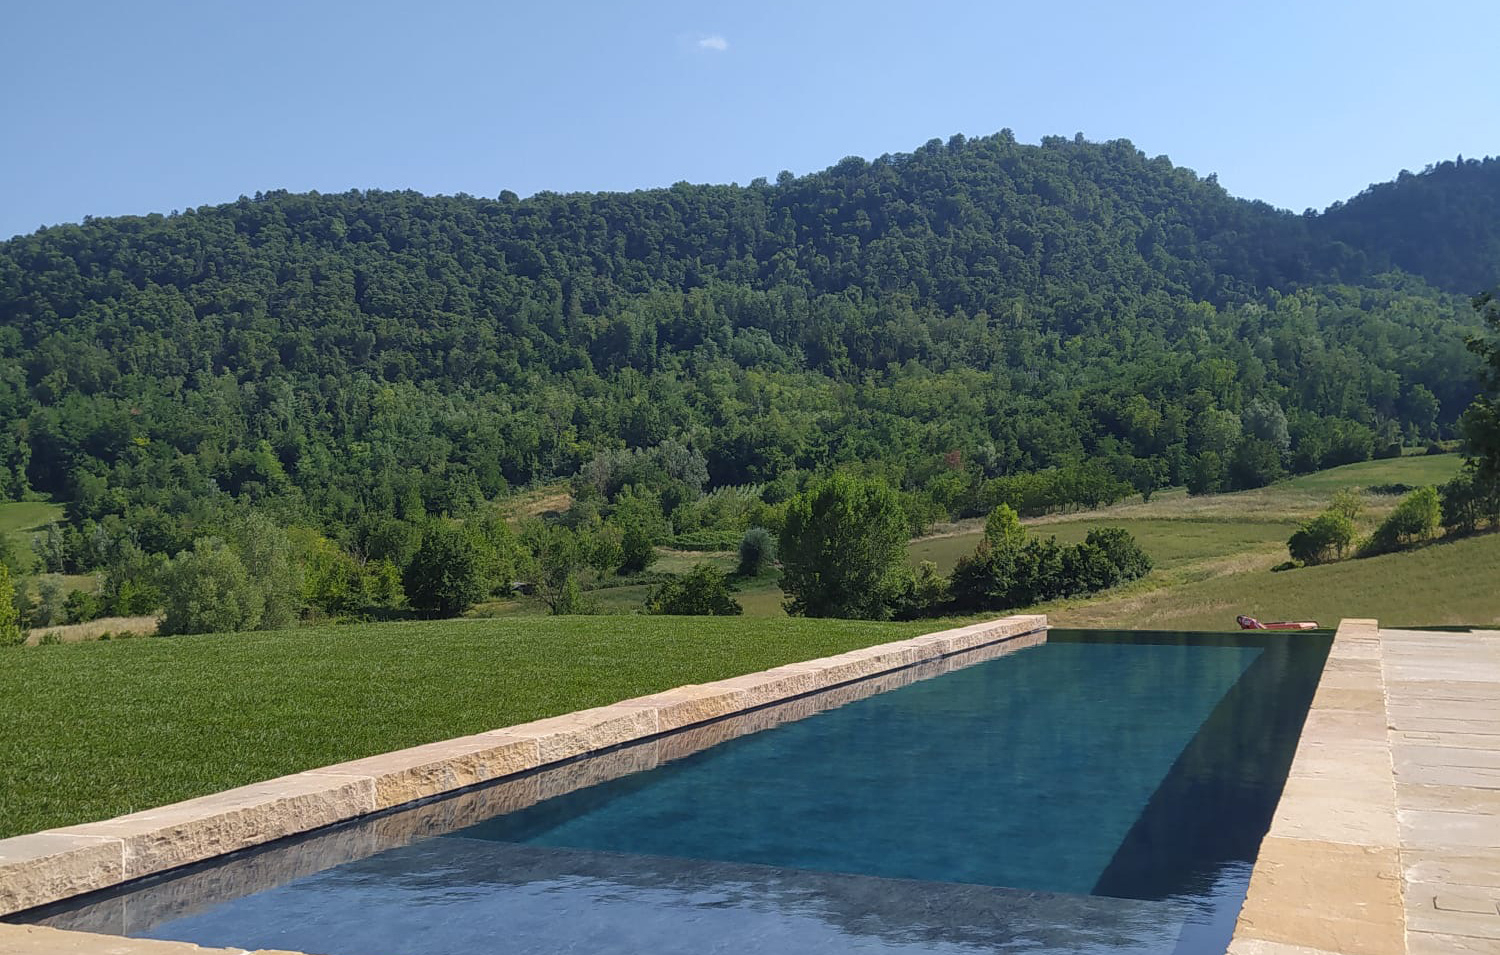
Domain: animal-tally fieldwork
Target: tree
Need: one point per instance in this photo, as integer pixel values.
(264, 549)
(636, 549)
(757, 552)
(558, 555)
(443, 577)
(703, 591)
(842, 548)
(1481, 422)
(208, 590)
(11, 633)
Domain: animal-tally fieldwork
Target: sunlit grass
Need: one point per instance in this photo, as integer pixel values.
(98, 729)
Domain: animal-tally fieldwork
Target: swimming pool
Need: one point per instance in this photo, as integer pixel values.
(1099, 792)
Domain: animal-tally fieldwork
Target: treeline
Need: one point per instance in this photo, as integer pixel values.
(974, 323)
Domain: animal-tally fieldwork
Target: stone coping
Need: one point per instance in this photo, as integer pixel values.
(48, 866)
(1327, 879)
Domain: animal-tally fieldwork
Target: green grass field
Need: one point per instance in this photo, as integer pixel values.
(98, 729)
(1442, 584)
(20, 519)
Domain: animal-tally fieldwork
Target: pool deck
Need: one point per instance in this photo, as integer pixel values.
(1387, 837)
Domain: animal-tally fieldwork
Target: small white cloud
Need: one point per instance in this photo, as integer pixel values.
(716, 43)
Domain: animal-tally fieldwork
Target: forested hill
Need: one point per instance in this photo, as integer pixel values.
(1442, 224)
(971, 310)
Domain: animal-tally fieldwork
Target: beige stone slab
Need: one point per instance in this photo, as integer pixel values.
(1443, 690)
(1466, 799)
(1332, 724)
(1428, 829)
(41, 940)
(1403, 710)
(1453, 910)
(1325, 895)
(1474, 777)
(1432, 943)
(586, 731)
(1256, 946)
(772, 686)
(197, 829)
(1478, 867)
(1369, 700)
(1446, 726)
(1424, 755)
(433, 769)
(47, 866)
(689, 705)
(1345, 760)
(1488, 741)
(1351, 809)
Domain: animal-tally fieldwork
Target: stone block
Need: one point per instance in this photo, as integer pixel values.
(1352, 809)
(1325, 895)
(169, 836)
(407, 775)
(47, 866)
(586, 731)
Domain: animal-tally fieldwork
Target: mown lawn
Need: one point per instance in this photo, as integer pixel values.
(93, 730)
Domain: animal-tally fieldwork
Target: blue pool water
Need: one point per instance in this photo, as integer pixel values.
(1101, 792)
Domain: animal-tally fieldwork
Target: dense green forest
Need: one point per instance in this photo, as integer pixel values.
(977, 322)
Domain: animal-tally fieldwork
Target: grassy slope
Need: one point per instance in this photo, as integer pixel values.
(20, 519)
(1446, 583)
(98, 729)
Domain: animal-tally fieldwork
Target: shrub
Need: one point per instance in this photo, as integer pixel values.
(443, 577)
(1415, 518)
(207, 590)
(842, 549)
(1346, 501)
(1391, 450)
(757, 552)
(702, 592)
(923, 593)
(1120, 546)
(1326, 537)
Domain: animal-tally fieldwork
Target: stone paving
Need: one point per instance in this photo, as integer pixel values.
(1443, 710)
(1387, 837)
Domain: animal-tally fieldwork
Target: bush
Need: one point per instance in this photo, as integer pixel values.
(842, 549)
(923, 593)
(757, 552)
(443, 577)
(702, 592)
(1326, 537)
(51, 598)
(1468, 500)
(1006, 571)
(1415, 518)
(1391, 450)
(1119, 546)
(208, 590)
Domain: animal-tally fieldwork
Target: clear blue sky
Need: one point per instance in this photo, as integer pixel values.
(110, 108)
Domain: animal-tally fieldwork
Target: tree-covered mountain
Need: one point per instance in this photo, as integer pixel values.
(950, 319)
